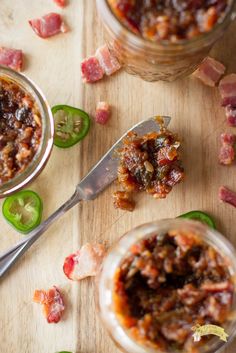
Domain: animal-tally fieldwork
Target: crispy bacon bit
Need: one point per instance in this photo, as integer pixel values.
(189, 295)
(53, 304)
(48, 25)
(227, 195)
(85, 262)
(108, 62)
(12, 58)
(61, 3)
(123, 200)
(210, 71)
(227, 89)
(217, 287)
(103, 113)
(103, 62)
(231, 115)
(91, 70)
(228, 138)
(227, 153)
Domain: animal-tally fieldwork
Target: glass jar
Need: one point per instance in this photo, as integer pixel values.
(41, 157)
(159, 61)
(112, 261)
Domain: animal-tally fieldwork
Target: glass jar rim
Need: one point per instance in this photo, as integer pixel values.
(119, 250)
(42, 155)
(165, 45)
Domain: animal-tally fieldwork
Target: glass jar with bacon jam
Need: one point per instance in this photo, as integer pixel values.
(26, 131)
(163, 278)
(163, 39)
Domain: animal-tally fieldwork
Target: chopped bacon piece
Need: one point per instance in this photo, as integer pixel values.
(108, 62)
(210, 71)
(227, 89)
(227, 195)
(12, 58)
(91, 70)
(94, 67)
(61, 3)
(53, 304)
(48, 25)
(103, 113)
(228, 138)
(85, 262)
(231, 115)
(189, 295)
(217, 287)
(227, 153)
(123, 200)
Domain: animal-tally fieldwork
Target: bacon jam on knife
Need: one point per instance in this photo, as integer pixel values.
(166, 284)
(20, 129)
(148, 163)
(169, 20)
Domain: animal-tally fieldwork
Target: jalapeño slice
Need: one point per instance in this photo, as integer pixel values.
(71, 125)
(23, 210)
(200, 216)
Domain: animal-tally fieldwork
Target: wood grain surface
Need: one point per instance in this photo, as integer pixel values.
(197, 117)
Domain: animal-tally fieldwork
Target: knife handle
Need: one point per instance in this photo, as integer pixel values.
(8, 258)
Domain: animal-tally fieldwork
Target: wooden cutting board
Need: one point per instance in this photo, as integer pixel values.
(54, 64)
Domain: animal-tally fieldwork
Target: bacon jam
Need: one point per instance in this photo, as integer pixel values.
(168, 283)
(171, 20)
(148, 163)
(20, 129)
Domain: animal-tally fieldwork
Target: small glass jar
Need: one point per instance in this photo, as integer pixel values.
(41, 157)
(154, 61)
(105, 280)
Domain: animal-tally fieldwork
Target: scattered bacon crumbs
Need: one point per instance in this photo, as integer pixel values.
(227, 153)
(123, 200)
(91, 70)
(210, 71)
(85, 262)
(103, 113)
(231, 115)
(108, 62)
(12, 58)
(227, 195)
(227, 88)
(61, 3)
(53, 304)
(48, 25)
(94, 67)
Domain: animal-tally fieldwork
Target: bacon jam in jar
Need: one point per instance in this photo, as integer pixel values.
(162, 279)
(20, 129)
(163, 39)
(26, 131)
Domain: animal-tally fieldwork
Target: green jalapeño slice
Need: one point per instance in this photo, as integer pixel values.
(201, 217)
(23, 210)
(71, 125)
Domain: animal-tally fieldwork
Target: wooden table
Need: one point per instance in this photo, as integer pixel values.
(197, 117)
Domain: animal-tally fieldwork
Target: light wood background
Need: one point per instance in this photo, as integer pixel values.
(197, 117)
